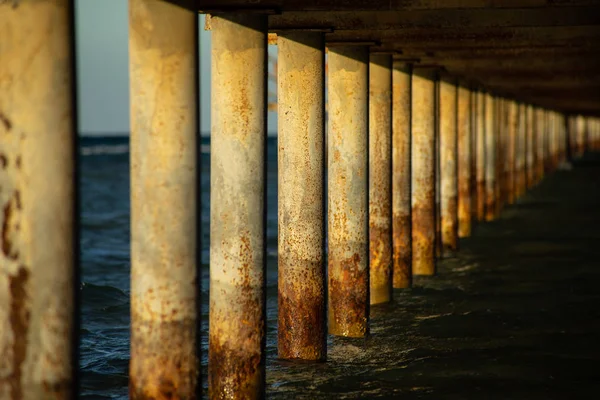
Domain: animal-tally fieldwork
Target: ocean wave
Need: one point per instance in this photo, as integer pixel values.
(104, 149)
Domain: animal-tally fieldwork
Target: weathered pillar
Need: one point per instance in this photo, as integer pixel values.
(540, 137)
(348, 91)
(423, 170)
(512, 151)
(474, 128)
(490, 158)
(380, 177)
(237, 230)
(530, 145)
(401, 175)
(480, 155)
(522, 151)
(448, 164)
(164, 288)
(438, 175)
(38, 245)
(301, 255)
(500, 126)
(464, 145)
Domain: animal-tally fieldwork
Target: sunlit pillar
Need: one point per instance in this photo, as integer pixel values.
(380, 177)
(301, 256)
(348, 272)
(236, 366)
(464, 145)
(491, 139)
(401, 175)
(38, 179)
(512, 151)
(481, 154)
(448, 164)
(423, 170)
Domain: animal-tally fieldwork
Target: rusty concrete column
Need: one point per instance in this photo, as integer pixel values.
(500, 126)
(474, 127)
(438, 175)
(301, 133)
(539, 139)
(423, 170)
(522, 150)
(38, 178)
(464, 144)
(401, 175)
(348, 272)
(512, 151)
(448, 164)
(490, 158)
(164, 288)
(237, 230)
(481, 155)
(530, 145)
(380, 177)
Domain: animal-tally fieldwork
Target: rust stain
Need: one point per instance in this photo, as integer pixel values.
(381, 264)
(19, 321)
(5, 121)
(423, 241)
(402, 231)
(450, 227)
(302, 331)
(464, 208)
(163, 360)
(3, 161)
(348, 301)
(9, 226)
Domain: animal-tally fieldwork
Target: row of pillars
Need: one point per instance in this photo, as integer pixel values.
(412, 160)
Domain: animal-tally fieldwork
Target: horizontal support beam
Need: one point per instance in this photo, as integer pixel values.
(474, 18)
(387, 5)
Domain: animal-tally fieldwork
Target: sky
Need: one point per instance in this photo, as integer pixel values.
(102, 69)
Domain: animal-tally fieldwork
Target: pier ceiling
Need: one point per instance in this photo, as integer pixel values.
(543, 52)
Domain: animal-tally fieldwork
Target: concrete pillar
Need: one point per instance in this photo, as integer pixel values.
(164, 287)
(512, 151)
(480, 155)
(401, 175)
(464, 144)
(490, 158)
(38, 245)
(530, 145)
(237, 230)
(423, 172)
(540, 136)
(348, 90)
(501, 164)
(438, 175)
(474, 128)
(301, 133)
(448, 164)
(522, 150)
(380, 177)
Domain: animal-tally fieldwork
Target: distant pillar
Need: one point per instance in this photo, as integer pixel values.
(301, 133)
(480, 155)
(521, 150)
(380, 177)
(540, 138)
(38, 191)
(448, 165)
(164, 285)
(348, 90)
(464, 144)
(237, 230)
(423, 173)
(474, 128)
(530, 145)
(491, 134)
(438, 175)
(512, 151)
(401, 175)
